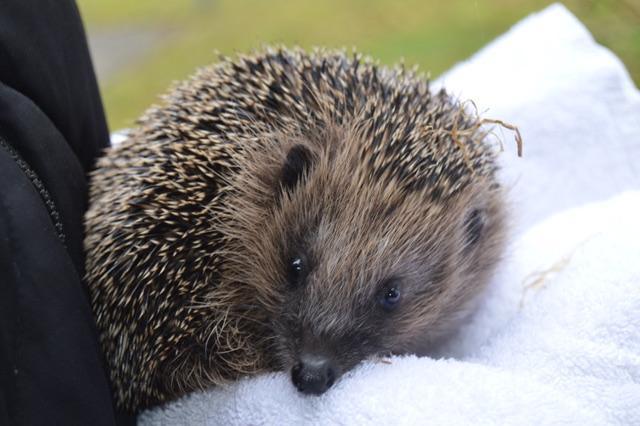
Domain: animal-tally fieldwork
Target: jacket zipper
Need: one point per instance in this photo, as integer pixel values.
(39, 186)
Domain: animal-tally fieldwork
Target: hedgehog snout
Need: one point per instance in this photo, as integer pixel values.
(314, 374)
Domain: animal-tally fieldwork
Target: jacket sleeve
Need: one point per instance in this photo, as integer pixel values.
(52, 128)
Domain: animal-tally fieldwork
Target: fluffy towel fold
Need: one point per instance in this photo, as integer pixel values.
(562, 347)
(557, 337)
(575, 104)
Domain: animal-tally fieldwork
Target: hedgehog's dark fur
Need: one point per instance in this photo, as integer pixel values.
(193, 216)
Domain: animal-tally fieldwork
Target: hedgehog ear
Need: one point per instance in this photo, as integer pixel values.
(298, 162)
(474, 225)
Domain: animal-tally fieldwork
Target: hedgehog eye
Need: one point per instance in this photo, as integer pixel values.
(474, 226)
(389, 296)
(297, 270)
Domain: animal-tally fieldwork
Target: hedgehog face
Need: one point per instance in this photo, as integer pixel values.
(361, 270)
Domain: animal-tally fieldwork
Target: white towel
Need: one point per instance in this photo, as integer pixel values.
(573, 101)
(565, 350)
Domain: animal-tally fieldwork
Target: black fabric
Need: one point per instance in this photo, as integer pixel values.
(44, 55)
(52, 128)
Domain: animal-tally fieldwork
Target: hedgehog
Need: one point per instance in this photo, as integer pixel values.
(288, 211)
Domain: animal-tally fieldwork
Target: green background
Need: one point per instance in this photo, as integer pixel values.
(434, 34)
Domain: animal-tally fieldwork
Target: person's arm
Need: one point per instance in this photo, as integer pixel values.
(52, 128)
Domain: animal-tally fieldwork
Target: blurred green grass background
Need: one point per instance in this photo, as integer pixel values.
(141, 46)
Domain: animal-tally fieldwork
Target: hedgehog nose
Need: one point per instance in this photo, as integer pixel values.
(313, 375)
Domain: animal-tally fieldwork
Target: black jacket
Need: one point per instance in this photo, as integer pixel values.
(52, 127)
